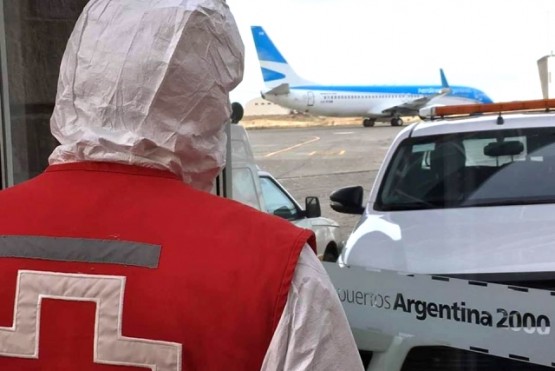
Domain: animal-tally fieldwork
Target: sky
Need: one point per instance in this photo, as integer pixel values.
(492, 45)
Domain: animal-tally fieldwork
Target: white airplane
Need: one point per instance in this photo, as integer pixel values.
(373, 102)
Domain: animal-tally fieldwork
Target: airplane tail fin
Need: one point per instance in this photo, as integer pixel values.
(444, 83)
(445, 88)
(276, 72)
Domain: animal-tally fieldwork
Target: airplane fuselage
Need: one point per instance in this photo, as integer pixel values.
(368, 101)
(373, 102)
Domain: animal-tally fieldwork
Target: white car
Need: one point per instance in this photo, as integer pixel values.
(279, 202)
(258, 189)
(470, 198)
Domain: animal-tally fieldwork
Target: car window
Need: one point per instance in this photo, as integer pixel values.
(239, 150)
(244, 188)
(276, 201)
(501, 167)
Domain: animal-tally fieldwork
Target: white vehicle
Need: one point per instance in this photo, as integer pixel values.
(239, 179)
(244, 182)
(244, 171)
(470, 198)
(280, 203)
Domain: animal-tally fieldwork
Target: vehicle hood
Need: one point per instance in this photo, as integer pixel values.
(147, 83)
(464, 240)
(323, 222)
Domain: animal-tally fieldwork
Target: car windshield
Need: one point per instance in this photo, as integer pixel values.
(501, 167)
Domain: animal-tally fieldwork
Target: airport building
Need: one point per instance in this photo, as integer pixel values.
(546, 66)
(262, 107)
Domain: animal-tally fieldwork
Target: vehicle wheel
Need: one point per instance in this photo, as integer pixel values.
(367, 123)
(331, 254)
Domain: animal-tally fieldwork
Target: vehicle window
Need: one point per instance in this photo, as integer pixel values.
(276, 201)
(244, 188)
(239, 151)
(501, 167)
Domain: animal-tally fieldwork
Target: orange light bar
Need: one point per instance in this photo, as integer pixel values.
(467, 109)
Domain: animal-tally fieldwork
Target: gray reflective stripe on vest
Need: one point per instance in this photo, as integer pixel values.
(80, 250)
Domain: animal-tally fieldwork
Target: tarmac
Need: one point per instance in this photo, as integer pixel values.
(295, 121)
(303, 121)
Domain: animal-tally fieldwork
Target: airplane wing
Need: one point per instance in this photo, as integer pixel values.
(414, 106)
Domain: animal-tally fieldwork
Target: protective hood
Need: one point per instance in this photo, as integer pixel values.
(147, 82)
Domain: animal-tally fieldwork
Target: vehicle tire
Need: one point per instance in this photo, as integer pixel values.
(331, 254)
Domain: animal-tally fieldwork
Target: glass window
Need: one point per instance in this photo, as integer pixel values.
(277, 202)
(502, 167)
(239, 151)
(36, 33)
(244, 188)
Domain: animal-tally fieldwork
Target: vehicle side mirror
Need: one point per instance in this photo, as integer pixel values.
(237, 112)
(348, 200)
(312, 207)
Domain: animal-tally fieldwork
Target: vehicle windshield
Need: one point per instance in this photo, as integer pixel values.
(501, 167)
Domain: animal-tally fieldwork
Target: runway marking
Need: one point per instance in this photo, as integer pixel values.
(292, 147)
(327, 153)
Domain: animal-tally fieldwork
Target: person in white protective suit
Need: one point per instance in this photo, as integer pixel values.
(123, 220)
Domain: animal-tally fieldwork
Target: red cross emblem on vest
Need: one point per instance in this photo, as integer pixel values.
(110, 346)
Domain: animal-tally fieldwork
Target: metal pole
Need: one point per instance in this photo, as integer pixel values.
(227, 173)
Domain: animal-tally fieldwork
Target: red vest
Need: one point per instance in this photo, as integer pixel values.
(115, 267)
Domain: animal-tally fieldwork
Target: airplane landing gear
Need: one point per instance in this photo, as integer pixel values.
(368, 122)
(396, 121)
